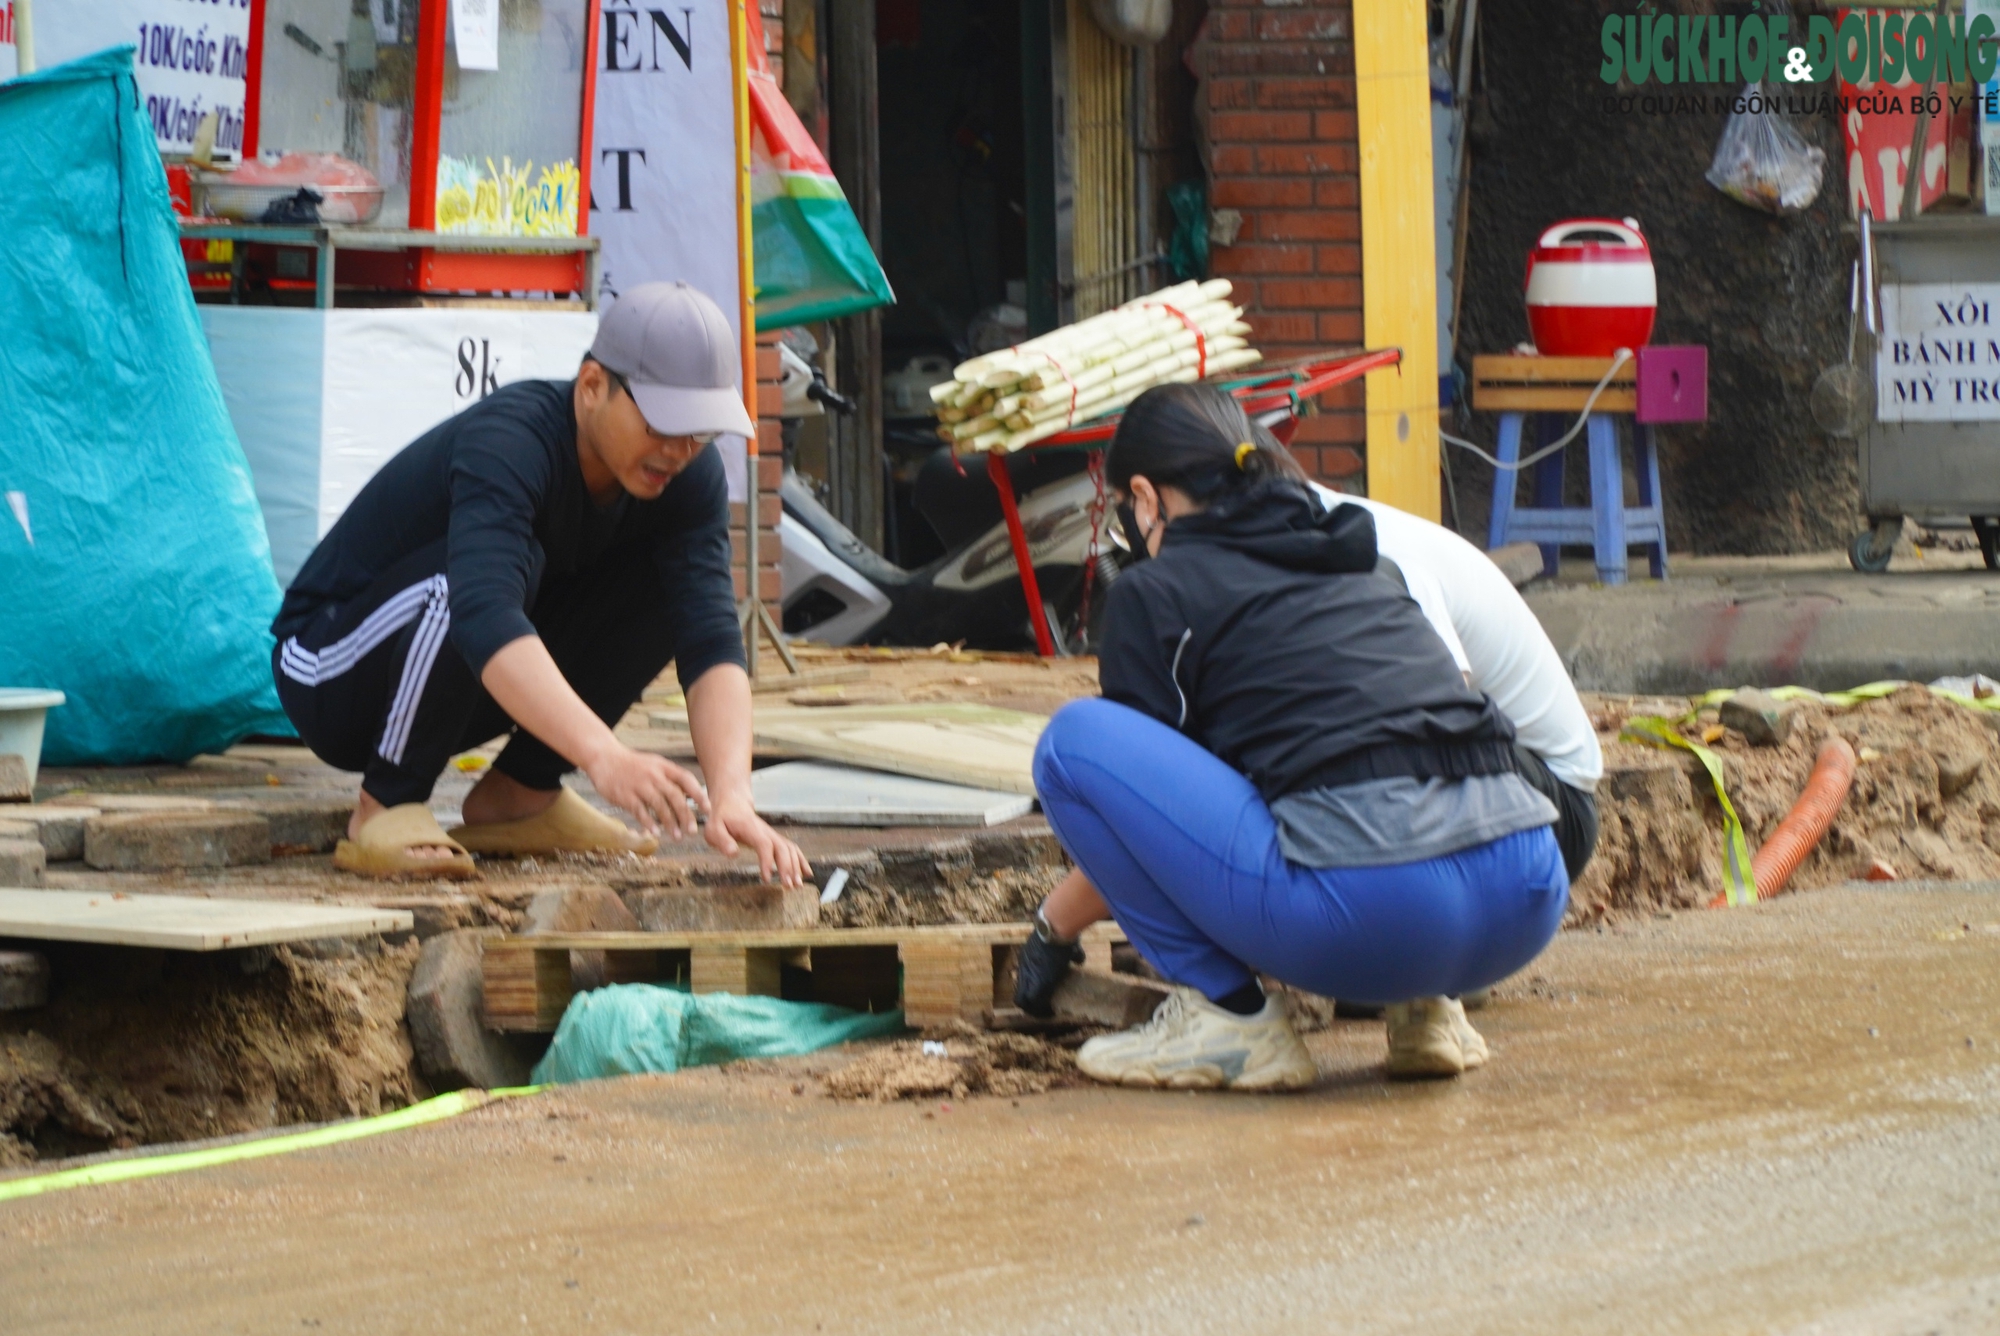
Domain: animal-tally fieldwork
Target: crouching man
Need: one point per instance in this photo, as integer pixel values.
(528, 567)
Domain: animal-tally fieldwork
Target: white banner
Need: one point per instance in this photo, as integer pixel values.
(322, 399)
(393, 375)
(663, 186)
(1940, 354)
(190, 58)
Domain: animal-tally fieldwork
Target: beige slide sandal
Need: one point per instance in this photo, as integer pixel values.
(383, 847)
(570, 825)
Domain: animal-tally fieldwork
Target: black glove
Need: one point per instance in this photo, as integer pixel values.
(1043, 961)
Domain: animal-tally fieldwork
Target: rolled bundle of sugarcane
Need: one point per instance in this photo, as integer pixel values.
(1014, 397)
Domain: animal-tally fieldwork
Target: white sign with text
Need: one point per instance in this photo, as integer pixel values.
(1940, 354)
(663, 183)
(190, 57)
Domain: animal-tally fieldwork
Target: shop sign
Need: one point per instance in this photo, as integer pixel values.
(663, 188)
(1940, 354)
(190, 57)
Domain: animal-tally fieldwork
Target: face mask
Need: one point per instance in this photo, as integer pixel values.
(1135, 541)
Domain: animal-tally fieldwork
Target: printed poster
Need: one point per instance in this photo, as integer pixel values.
(190, 57)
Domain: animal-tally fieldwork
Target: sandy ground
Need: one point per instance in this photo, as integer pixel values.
(1779, 1119)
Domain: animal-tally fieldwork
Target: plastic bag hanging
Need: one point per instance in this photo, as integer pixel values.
(812, 259)
(1762, 161)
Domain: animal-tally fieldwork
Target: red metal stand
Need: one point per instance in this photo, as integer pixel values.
(1287, 387)
(1038, 617)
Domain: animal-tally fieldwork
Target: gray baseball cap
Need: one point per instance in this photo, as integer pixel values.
(674, 348)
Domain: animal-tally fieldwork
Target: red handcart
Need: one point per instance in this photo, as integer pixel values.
(1276, 396)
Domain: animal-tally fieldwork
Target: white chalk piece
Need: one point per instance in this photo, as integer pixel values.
(818, 793)
(834, 886)
(934, 1048)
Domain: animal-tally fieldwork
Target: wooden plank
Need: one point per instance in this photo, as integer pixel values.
(526, 991)
(1392, 106)
(955, 742)
(950, 971)
(183, 923)
(946, 980)
(1521, 383)
(745, 971)
(785, 937)
(1552, 399)
(980, 746)
(1533, 369)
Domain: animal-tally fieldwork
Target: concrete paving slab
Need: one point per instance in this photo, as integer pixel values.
(149, 841)
(58, 827)
(182, 923)
(1779, 622)
(22, 862)
(816, 794)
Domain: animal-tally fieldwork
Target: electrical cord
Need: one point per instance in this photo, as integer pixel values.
(1618, 359)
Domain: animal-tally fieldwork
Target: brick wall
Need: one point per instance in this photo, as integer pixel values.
(1276, 104)
(770, 473)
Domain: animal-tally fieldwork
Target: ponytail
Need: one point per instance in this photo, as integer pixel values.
(1196, 438)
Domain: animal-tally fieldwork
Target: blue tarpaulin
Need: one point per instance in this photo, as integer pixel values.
(134, 571)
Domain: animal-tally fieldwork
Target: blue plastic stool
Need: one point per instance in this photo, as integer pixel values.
(1608, 525)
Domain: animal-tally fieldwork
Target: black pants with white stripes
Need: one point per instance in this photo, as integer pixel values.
(373, 684)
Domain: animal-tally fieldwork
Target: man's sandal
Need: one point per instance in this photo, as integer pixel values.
(382, 848)
(570, 825)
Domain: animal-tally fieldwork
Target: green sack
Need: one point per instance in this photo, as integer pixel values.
(636, 1027)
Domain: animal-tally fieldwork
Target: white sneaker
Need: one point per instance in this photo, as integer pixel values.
(1470, 1042)
(1430, 1037)
(1192, 1044)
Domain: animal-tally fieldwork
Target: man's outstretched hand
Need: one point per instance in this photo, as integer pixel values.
(653, 789)
(734, 823)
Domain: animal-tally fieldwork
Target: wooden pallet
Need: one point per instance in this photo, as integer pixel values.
(1513, 383)
(934, 974)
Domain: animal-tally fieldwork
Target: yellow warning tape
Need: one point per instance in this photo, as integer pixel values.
(1737, 882)
(176, 1162)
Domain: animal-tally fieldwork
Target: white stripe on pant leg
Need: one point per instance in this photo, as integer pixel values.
(312, 667)
(424, 647)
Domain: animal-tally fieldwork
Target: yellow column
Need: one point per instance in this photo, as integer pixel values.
(1398, 249)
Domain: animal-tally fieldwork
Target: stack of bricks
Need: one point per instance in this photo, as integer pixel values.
(770, 473)
(1277, 100)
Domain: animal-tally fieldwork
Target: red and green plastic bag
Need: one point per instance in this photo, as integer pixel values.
(812, 259)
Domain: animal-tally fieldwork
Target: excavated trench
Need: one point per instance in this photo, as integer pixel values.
(138, 1048)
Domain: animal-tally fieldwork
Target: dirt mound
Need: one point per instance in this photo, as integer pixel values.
(1926, 799)
(973, 1063)
(138, 1047)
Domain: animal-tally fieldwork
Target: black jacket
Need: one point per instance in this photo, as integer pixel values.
(1264, 633)
(500, 482)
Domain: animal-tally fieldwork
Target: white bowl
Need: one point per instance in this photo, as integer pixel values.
(22, 711)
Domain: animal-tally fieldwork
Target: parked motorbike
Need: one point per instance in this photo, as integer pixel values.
(839, 591)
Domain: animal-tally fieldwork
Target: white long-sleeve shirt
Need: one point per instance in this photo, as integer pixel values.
(1493, 634)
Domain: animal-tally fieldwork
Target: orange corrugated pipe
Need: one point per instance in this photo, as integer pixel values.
(1806, 824)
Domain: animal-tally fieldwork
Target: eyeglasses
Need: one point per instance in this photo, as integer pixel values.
(619, 382)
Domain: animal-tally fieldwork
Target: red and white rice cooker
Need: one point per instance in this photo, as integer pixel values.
(1589, 298)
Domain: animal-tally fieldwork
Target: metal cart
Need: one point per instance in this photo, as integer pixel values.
(1931, 448)
(1276, 396)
